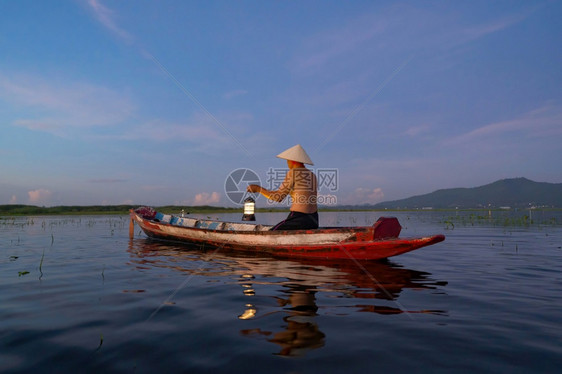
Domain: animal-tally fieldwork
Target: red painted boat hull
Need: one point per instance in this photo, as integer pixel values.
(354, 243)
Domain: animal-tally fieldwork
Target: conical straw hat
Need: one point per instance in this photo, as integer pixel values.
(296, 153)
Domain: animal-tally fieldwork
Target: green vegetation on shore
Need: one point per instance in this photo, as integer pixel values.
(31, 210)
(499, 218)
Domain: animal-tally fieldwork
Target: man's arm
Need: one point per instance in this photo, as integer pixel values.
(278, 195)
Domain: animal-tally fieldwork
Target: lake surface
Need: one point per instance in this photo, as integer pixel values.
(76, 294)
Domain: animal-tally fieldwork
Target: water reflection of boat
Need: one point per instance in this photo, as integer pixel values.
(301, 332)
(366, 286)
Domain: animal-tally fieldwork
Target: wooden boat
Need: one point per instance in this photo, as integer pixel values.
(356, 243)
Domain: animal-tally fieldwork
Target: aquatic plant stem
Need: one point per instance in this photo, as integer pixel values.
(41, 264)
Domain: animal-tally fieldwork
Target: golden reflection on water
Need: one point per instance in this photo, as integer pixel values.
(300, 331)
(296, 284)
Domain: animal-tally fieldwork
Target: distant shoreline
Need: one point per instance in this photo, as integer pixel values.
(31, 210)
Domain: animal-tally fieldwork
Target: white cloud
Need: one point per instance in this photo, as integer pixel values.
(388, 31)
(13, 199)
(40, 196)
(323, 47)
(541, 122)
(417, 130)
(478, 31)
(56, 108)
(59, 108)
(205, 198)
(200, 132)
(365, 196)
(163, 131)
(106, 17)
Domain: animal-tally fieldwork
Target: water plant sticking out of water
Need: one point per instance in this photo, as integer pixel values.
(498, 219)
(101, 342)
(41, 264)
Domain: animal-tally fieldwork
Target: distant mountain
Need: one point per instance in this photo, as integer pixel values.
(514, 193)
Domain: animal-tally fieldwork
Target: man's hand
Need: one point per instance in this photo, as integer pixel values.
(253, 188)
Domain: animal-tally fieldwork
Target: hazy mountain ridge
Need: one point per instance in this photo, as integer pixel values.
(514, 193)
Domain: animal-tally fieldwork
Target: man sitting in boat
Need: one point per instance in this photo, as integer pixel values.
(301, 184)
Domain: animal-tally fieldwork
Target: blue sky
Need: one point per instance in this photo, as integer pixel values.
(156, 102)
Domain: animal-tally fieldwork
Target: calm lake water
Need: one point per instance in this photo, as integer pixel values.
(77, 295)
